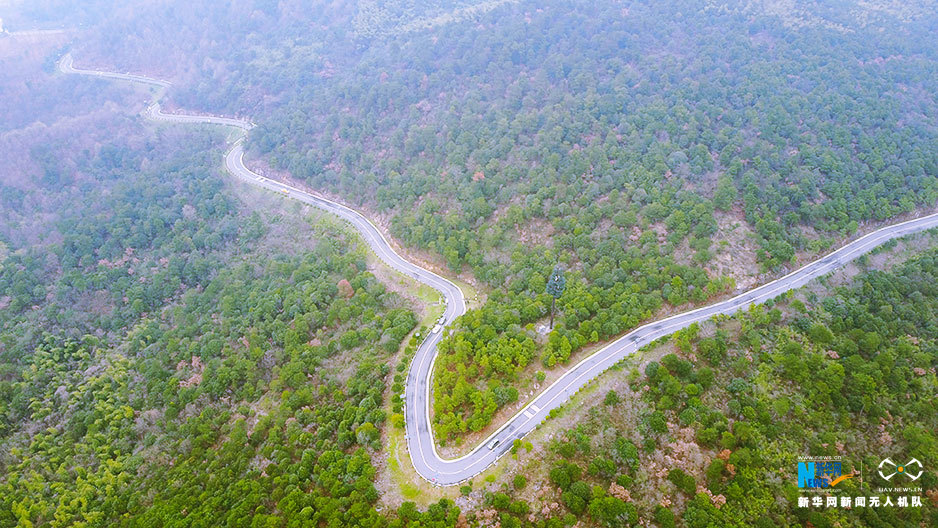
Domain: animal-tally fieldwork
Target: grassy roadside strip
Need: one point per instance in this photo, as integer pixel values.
(399, 470)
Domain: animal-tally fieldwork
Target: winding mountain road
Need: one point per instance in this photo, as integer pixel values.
(426, 460)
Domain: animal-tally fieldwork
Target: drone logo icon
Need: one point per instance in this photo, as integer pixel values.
(902, 469)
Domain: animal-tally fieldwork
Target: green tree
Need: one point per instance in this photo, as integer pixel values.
(725, 194)
(555, 287)
(612, 511)
(519, 481)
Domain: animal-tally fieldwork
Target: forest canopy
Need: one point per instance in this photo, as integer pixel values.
(178, 350)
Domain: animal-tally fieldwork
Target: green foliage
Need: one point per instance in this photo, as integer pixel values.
(705, 377)
(651, 370)
(677, 366)
(701, 513)
(564, 474)
(656, 422)
(795, 392)
(596, 128)
(460, 403)
(787, 156)
(626, 453)
(557, 283)
(197, 393)
(715, 471)
(664, 517)
(682, 480)
(519, 482)
(726, 194)
(820, 334)
(612, 512)
(577, 497)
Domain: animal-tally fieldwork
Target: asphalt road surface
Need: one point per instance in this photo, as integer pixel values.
(420, 443)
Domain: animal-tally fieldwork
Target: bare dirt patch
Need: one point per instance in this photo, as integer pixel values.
(536, 232)
(734, 250)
